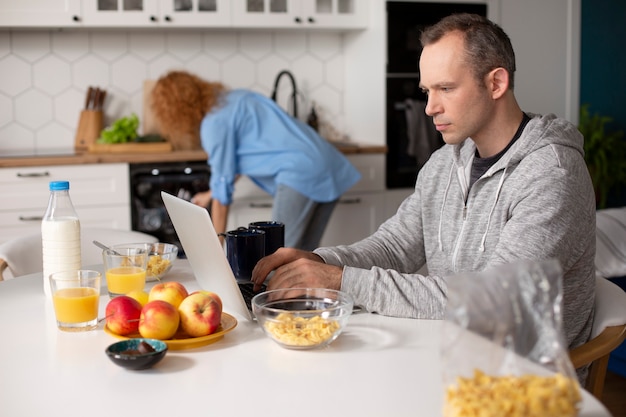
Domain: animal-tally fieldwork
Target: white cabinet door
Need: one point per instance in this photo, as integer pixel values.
(266, 13)
(356, 216)
(393, 199)
(100, 194)
(246, 211)
(43, 13)
(344, 14)
(195, 13)
(307, 14)
(120, 13)
(157, 13)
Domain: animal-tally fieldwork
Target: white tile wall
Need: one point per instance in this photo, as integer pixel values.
(44, 74)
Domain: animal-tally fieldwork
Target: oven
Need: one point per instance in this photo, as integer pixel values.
(147, 180)
(411, 136)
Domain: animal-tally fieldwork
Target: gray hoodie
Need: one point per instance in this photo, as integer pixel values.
(536, 202)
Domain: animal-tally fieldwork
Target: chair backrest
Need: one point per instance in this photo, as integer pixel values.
(22, 256)
(608, 332)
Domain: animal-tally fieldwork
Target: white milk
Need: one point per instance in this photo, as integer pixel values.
(60, 238)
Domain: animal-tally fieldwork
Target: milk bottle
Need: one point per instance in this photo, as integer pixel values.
(60, 234)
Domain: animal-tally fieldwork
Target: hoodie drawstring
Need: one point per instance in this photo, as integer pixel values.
(443, 205)
(495, 201)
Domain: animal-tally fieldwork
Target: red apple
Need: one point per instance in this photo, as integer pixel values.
(159, 320)
(173, 292)
(122, 315)
(200, 314)
(212, 294)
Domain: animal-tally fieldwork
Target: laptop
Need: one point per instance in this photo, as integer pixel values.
(206, 255)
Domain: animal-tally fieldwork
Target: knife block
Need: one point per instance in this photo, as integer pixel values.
(89, 128)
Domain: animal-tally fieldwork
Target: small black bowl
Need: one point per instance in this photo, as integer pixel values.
(127, 354)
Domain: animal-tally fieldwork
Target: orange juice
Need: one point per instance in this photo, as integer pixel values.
(75, 305)
(124, 279)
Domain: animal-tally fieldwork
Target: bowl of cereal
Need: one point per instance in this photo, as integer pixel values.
(161, 256)
(160, 260)
(302, 318)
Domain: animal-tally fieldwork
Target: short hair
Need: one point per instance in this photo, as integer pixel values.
(487, 46)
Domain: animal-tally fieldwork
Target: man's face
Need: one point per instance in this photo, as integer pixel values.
(459, 105)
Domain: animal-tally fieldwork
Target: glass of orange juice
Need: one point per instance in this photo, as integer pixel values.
(75, 295)
(125, 268)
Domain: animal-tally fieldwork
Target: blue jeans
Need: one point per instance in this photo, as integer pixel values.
(305, 220)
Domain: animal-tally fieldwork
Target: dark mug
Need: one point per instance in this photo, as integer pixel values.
(244, 248)
(274, 234)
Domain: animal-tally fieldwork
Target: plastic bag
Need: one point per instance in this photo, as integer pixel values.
(503, 349)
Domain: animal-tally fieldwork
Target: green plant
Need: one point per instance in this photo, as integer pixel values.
(605, 154)
(123, 130)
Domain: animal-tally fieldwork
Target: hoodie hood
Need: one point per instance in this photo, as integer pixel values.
(541, 131)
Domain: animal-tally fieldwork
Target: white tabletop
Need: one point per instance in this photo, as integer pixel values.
(380, 366)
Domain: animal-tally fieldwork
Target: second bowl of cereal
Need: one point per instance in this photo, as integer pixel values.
(160, 260)
(161, 256)
(302, 318)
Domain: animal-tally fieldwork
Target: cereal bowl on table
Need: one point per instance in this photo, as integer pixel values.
(161, 256)
(160, 260)
(302, 318)
(137, 354)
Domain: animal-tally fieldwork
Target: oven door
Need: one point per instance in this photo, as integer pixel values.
(182, 179)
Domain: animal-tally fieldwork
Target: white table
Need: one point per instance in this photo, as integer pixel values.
(380, 366)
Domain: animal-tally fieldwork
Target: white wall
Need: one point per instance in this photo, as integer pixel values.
(44, 74)
(546, 39)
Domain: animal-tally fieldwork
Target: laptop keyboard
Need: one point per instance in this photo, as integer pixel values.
(246, 289)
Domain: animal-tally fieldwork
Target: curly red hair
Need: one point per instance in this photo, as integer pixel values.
(180, 101)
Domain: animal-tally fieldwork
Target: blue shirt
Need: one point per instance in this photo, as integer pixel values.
(249, 134)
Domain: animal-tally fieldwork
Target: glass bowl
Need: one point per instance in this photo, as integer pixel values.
(132, 354)
(302, 318)
(160, 260)
(161, 256)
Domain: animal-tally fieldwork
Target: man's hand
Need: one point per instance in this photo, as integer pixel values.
(296, 268)
(202, 199)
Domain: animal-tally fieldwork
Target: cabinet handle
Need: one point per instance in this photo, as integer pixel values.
(153, 18)
(297, 20)
(260, 205)
(311, 20)
(76, 18)
(30, 218)
(168, 19)
(33, 174)
(355, 200)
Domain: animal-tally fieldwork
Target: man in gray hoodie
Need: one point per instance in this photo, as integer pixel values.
(507, 186)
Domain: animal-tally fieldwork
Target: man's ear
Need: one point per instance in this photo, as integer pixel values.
(498, 82)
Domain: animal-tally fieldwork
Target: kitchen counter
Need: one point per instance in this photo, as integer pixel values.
(138, 158)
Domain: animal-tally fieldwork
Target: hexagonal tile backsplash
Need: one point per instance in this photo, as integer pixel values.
(44, 75)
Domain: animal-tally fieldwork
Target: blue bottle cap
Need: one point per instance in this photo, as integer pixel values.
(59, 185)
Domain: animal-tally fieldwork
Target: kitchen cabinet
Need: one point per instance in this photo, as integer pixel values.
(245, 211)
(308, 14)
(356, 216)
(40, 13)
(205, 14)
(99, 192)
(152, 13)
(393, 199)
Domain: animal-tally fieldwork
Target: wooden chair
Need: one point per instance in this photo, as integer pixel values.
(23, 255)
(608, 332)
